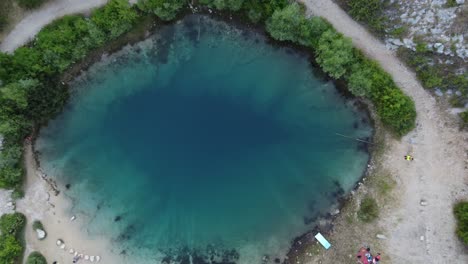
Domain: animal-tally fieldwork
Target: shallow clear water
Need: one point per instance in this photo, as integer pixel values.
(204, 136)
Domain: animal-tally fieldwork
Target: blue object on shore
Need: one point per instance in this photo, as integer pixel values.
(323, 241)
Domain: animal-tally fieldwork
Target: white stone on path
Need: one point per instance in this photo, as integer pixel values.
(71, 251)
(62, 246)
(86, 257)
(41, 234)
(380, 236)
(98, 258)
(59, 242)
(91, 258)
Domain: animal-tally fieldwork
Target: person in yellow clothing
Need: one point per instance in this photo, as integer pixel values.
(408, 157)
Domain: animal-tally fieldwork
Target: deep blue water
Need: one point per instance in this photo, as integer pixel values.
(204, 135)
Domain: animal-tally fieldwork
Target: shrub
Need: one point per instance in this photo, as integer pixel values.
(37, 225)
(451, 3)
(360, 80)
(10, 249)
(164, 9)
(369, 11)
(115, 18)
(260, 10)
(286, 24)
(12, 224)
(36, 258)
(17, 194)
(11, 230)
(461, 214)
(30, 3)
(368, 210)
(335, 53)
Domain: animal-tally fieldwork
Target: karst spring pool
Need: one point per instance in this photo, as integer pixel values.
(204, 138)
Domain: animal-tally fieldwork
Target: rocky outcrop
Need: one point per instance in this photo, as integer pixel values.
(434, 22)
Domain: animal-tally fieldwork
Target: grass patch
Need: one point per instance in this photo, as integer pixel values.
(368, 210)
(399, 32)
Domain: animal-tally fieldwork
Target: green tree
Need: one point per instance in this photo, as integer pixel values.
(14, 96)
(164, 9)
(360, 79)
(115, 18)
(335, 53)
(36, 258)
(312, 30)
(286, 24)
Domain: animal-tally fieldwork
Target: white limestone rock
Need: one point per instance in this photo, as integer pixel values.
(41, 234)
(380, 236)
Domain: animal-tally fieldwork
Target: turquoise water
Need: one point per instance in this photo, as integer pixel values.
(200, 139)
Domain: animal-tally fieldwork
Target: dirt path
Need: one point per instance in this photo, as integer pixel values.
(438, 176)
(27, 28)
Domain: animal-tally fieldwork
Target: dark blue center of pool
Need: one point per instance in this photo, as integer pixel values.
(204, 136)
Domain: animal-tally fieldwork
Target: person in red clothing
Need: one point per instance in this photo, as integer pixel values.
(377, 258)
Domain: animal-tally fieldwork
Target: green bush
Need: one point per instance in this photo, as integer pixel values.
(368, 210)
(36, 258)
(368, 11)
(12, 224)
(115, 18)
(10, 249)
(260, 10)
(37, 225)
(17, 194)
(461, 214)
(31, 3)
(164, 9)
(335, 53)
(451, 3)
(11, 230)
(286, 24)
